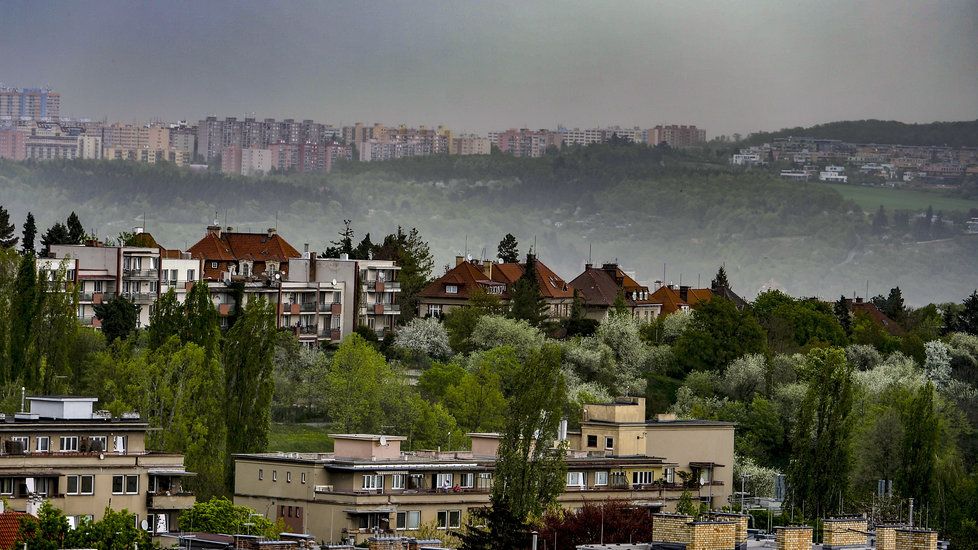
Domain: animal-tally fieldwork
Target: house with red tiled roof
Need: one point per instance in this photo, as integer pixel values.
(599, 287)
(681, 298)
(859, 306)
(456, 286)
(10, 527)
(227, 254)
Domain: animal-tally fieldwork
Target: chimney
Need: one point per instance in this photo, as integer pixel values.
(487, 268)
(684, 293)
(859, 300)
(656, 285)
(214, 230)
(271, 231)
(459, 260)
(344, 256)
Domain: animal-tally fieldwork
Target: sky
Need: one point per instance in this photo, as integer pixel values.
(731, 66)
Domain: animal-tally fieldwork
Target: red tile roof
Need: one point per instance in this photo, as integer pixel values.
(469, 275)
(466, 276)
(244, 246)
(599, 286)
(874, 313)
(9, 528)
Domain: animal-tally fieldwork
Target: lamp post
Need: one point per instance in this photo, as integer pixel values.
(743, 491)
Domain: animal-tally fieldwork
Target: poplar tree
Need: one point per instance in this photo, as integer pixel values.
(76, 232)
(26, 303)
(508, 249)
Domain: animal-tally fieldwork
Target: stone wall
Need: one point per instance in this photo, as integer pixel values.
(739, 519)
(712, 535)
(793, 538)
(845, 532)
(671, 528)
(916, 539)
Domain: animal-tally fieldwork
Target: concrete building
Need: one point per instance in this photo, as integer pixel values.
(13, 143)
(526, 143)
(469, 144)
(49, 141)
(676, 135)
(246, 161)
(84, 461)
(90, 147)
(39, 104)
(368, 485)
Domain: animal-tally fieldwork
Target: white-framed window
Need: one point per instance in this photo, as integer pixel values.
(69, 444)
(372, 482)
(302, 477)
(274, 475)
(288, 477)
(670, 475)
(410, 519)
(642, 478)
(434, 310)
(467, 480)
(609, 443)
(575, 479)
(6, 486)
(42, 444)
(449, 519)
(97, 286)
(601, 478)
(451, 289)
(261, 474)
(191, 274)
(397, 481)
(81, 485)
(443, 481)
(98, 443)
(706, 476)
(23, 441)
(119, 443)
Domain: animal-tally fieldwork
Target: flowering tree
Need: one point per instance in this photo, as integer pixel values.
(427, 336)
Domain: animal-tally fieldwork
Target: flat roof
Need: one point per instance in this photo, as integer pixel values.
(369, 437)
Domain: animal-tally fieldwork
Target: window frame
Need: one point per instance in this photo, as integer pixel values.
(576, 479)
(47, 444)
(397, 482)
(609, 442)
(68, 439)
(597, 481)
(103, 439)
(372, 482)
(595, 439)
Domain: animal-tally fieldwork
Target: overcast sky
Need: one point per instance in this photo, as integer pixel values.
(734, 66)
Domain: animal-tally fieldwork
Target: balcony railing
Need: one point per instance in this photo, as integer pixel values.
(308, 306)
(141, 297)
(141, 273)
(169, 501)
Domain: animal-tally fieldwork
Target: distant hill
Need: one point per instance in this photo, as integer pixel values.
(952, 134)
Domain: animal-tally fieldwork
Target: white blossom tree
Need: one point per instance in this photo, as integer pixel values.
(424, 335)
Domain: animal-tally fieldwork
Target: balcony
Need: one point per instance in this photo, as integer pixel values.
(308, 307)
(141, 273)
(307, 329)
(330, 334)
(381, 286)
(386, 309)
(141, 297)
(168, 501)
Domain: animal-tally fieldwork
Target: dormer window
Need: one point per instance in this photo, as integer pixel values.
(451, 289)
(245, 268)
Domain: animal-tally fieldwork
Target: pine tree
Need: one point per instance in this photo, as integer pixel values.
(76, 233)
(720, 281)
(364, 250)
(967, 320)
(345, 244)
(56, 234)
(620, 306)
(527, 303)
(508, 249)
(7, 239)
(841, 310)
(30, 233)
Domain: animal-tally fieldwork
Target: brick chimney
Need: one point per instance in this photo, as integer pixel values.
(459, 260)
(214, 230)
(684, 293)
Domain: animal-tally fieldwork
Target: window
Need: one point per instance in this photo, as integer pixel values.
(69, 443)
(191, 274)
(72, 485)
(87, 485)
(6, 486)
(397, 481)
(600, 478)
(575, 479)
(450, 519)
(373, 482)
(670, 475)
(288, 477)
(97, 286)
(410, 519)
(443, 481)
(98, 443)
(467, 481)
(119, 443)
(274, 475)
(21, 444)
(261, 474)
(213, 265)
(434, 310)
(609, 443)
(302, 477)
(642, 478)
(125, 485)
(451, 289)
(592, 441)
(81, 485)
(42, 444)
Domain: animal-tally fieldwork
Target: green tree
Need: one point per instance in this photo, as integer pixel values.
(26, 303)
(719, 333)
(7, 239)
(527, 302)
(117, 530)
(879, 221)
(201, 323)
(356, 383)
(509, 249)
(30, 233)
(843, 315)
(249, 351)
(413, 255)
(119, 316)
(436, 379)
(720, 281)
(220, 515)
(56, 234)
(165, 320)
(685, 505)
(620, 306)
(364, 250)
(76, 233)
(921, 440)
(477, 401)
(55, 332)
(820, 465)
(47, 531)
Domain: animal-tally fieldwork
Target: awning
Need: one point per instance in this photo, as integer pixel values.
(169, 472)
(369, 511)
(705, 465)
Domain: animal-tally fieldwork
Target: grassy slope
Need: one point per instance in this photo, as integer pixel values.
(870, 198)
(299, 438)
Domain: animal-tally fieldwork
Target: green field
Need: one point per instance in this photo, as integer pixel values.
(299, 438)
(870, 198)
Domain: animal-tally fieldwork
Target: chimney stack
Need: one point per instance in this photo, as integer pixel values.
(271, 231)
(684, 293)
(459, 260)
(214, 230)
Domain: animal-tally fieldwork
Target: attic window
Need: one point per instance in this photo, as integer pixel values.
(553, 282)
(451, 289)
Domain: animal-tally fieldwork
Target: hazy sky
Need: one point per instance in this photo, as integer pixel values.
(730, 66)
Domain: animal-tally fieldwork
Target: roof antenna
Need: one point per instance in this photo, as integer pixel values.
(276, 220)
(589, 254)
(466, 246)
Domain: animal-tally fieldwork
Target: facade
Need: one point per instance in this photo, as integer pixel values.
(455, 288)
(13, 144)
(676, 135)
(368, 485)
(89, 147)
(600, 287)
(83, 461)
(469, 144)
(214, 135)
(526, 143)
(49, 141)
(29, 104)
(246, 161)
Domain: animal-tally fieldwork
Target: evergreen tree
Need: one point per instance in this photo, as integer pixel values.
(7, 239)
(527, 302)
(720, 281)
(119, 317)
(30, 233)
(413, 255)
(76, 233)
(344, 245)
(894, 307)
(965, 317)
(921, 441)
(508, 249)
(819, 470)
(26, 303)
(364, 250)
(842, 313)
(879, 221)
(56, 234)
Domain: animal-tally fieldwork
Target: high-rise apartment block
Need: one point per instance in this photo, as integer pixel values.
(469, 144)
(40, 104)
(214, 135)
(526, 143)
(676, 136)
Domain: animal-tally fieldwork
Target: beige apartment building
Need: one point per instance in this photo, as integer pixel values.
(82, 461)
(368, 485)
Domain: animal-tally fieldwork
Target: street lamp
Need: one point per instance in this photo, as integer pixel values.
(743, 491)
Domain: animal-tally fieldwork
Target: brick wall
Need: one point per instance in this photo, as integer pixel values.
(793, 538)
(671, 528)
(916, 539)
(886, 537)
(712, 535)
(739, 519)
(845, 531)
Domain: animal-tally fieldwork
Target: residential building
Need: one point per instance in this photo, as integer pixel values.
(369, 485)
(13, 143)
(39, 104)
(469, 144)
(526, 143)
(600, 287)
(83, 461)
(455, 288)
(589, 136)
(676, 135)
(49, 141)
(746, 159)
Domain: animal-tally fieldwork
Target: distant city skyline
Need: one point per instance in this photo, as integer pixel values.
(726, 67)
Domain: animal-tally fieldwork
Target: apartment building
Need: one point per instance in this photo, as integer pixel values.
(469, 144)
(526, 143)
(368, 485)
(214, 135)
(589, 136)
(40, 104)
(90, 147)
(83, 461)
(246, 161)
(455, 288)
(13, 144)
(677, 135)
(49, 141)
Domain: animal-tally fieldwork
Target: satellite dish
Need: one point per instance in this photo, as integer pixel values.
(383, 441)
(278, 276)
(144, 524)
